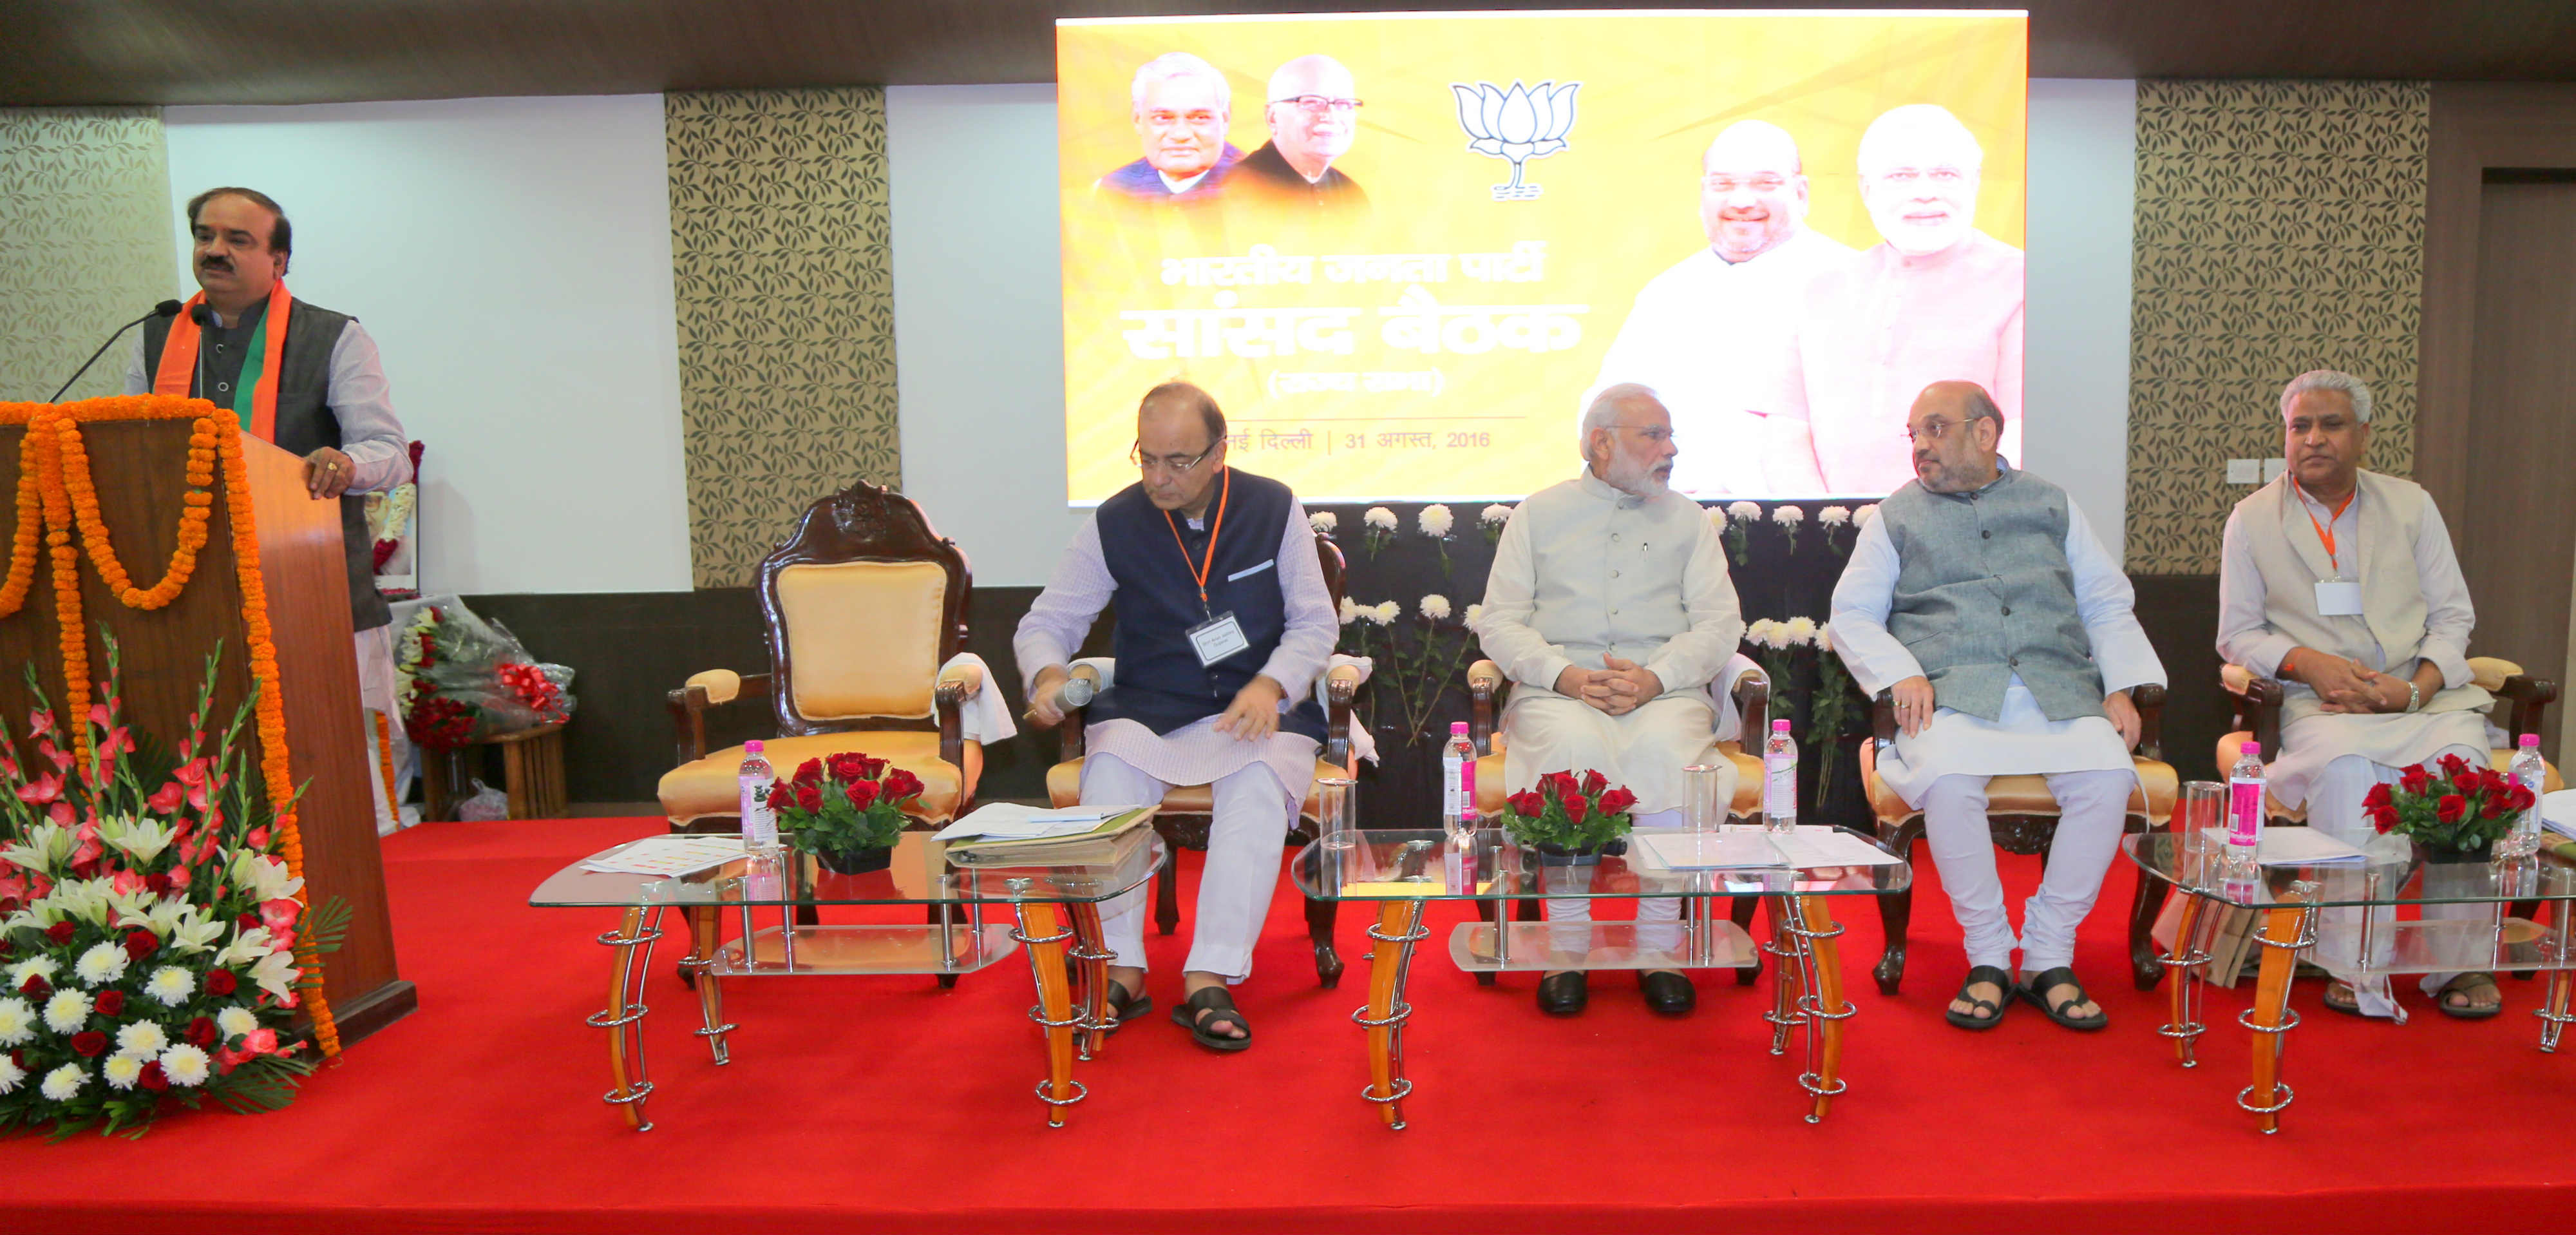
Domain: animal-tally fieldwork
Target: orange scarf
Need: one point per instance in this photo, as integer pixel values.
(179, 360)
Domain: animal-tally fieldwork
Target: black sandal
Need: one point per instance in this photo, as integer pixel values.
(2463, 986)
(1993, 1008)
(1123, 1007)
(2036, 991)
(2349, 1005)
(1218, 1004)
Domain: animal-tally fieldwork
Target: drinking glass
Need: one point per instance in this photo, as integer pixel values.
(1701, 811)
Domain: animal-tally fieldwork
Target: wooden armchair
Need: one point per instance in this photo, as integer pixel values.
(864, 604)
(2257, 702)
(2024, 819)
(1487, 689)
(1188, 809)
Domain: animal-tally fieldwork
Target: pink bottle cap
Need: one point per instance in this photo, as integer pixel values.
(1457, 728)
(2531, 741)
(1779, 726)
(751, 747)
(2252, 748)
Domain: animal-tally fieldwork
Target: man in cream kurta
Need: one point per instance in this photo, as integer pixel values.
(2342, 584)
(1610, 609)
(1981, 600)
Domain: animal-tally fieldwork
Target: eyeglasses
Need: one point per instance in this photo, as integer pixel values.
(1178, 465)
(1319, 104)
(1721, 182)
(1939, 430)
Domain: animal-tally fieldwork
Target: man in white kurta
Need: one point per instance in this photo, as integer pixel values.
(1712, 334)
(1243, 543)
(1610, 609)
(2342, 584)
(1926, 610)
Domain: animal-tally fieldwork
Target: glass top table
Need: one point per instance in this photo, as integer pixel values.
(1400, 870)
(1052, 907)
(2393, 910)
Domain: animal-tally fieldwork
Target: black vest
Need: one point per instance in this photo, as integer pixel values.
(304, 420)
(1160, 683)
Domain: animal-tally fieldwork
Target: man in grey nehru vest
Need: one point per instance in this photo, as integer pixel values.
(299, 376)
(1982, 600)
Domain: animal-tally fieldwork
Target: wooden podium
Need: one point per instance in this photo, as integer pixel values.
(139, 467)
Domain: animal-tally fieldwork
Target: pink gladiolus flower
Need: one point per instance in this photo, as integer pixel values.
(179, 878)
(100, 716)
(128, 883)
(279, 914)
(40, 721)
(168, 799)
(43, 789)
(61, 814)
(54, 754)
(258, 838)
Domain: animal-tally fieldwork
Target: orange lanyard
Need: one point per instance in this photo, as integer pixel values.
(1199, 569)
(2325, 530)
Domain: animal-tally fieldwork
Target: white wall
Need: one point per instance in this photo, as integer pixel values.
(979, 340)
(2075, 367)
(512, 257)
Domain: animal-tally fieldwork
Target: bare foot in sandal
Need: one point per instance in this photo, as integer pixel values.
(2471, 997)
(1206, 1020)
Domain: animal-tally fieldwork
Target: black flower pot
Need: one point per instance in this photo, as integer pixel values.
(2444, 855)
(1557, 855)
(855, 861)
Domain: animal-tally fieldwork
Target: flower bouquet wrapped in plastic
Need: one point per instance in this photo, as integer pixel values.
(467, 679)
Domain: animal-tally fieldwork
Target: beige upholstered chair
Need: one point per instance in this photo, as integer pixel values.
(1187, 809)
(2024, 820)
(2258, 713)
(864, 604)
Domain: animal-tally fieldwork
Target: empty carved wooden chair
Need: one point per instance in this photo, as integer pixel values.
(1187, 810)
(2023, 817)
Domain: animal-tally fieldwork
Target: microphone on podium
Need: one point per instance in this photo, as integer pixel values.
(167, 308)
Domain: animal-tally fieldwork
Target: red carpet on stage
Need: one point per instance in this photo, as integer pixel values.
(886, 1104)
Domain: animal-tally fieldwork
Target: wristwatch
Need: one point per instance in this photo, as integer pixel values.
(2414, 697)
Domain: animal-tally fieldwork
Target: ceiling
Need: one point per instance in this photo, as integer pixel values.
(60, 52)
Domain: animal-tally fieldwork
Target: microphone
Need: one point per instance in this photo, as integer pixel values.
(203, 315)
(167, 308)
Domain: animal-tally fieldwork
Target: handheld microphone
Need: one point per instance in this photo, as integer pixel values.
(167, 308)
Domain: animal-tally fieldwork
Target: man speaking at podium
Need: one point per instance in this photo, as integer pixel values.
(301, 377)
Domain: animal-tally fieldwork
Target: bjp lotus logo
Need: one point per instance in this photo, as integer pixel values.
(1518, 124)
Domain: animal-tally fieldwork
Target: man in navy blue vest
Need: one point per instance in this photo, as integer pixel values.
(1223, 624)
(298, 375)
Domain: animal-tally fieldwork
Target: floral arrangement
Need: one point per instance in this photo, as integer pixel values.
(155, 945)
(2454, 806)
(1435, 521)
(1735, 521)
(1564, 814)
(1377, 529)
(1324, 521)
(1833, 702)
(463, 679)
(389, 520)
(838, 805)
(1417, 663)
(1491, 521)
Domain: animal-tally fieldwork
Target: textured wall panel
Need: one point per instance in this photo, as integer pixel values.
(86, 243)
(2280, 228)
(781, 273)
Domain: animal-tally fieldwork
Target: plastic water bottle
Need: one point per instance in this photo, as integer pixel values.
(1780, 780)
(759, 823)
(1458, 781)
(2532, 773)
(2245, 807)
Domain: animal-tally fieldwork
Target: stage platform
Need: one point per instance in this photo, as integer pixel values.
(887, 1104)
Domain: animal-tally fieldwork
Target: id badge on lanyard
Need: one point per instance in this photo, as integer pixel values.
(2338, 596)
(1220, 636)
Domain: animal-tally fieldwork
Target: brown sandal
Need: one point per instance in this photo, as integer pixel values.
(2463, 986)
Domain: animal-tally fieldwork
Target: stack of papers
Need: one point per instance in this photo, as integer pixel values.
(2558, 812)
(667, 856)
(2295, 847)
(1701, 851)
(1012, 821)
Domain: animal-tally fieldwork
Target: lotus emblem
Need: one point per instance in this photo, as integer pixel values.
(1519, 124)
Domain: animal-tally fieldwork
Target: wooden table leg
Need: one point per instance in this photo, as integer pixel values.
(706, 938)
(1043, 933)
(2553, 1012)
(1822, 1003)
(1399, 927)
(2183, 992)
(1091, 957)
(2287, 927)
(624, 1016)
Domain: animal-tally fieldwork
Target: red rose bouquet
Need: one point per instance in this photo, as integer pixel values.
(2451, 805)
(1564, 813)
(838, 806)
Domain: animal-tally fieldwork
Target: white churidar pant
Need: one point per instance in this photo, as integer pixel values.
(2334, 808)
(1645, 750)
(1570, 917)
(1249, 827)
(2092, 807)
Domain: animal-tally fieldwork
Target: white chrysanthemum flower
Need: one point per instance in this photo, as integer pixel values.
(1435, 606)
(1759, 632)
(236, 1020)
(141, 1038)
(1862, 516)
(1351, 611)
(1475, 614)
(1379, 517)
(122, 1069)
(1743, 512)
(11, 1076)
(63, 1083)
(1323, 521)
(1825, 636)
(1798, 630)
(17, 1021)
(102, 964)
(34, 966)
(186, 1064)
(1788, 516)
(276, 973)
(1495, 515)
(170, 986)
(1435, 521)
(1834, 516)
(67, 1011)
(1388, 611)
